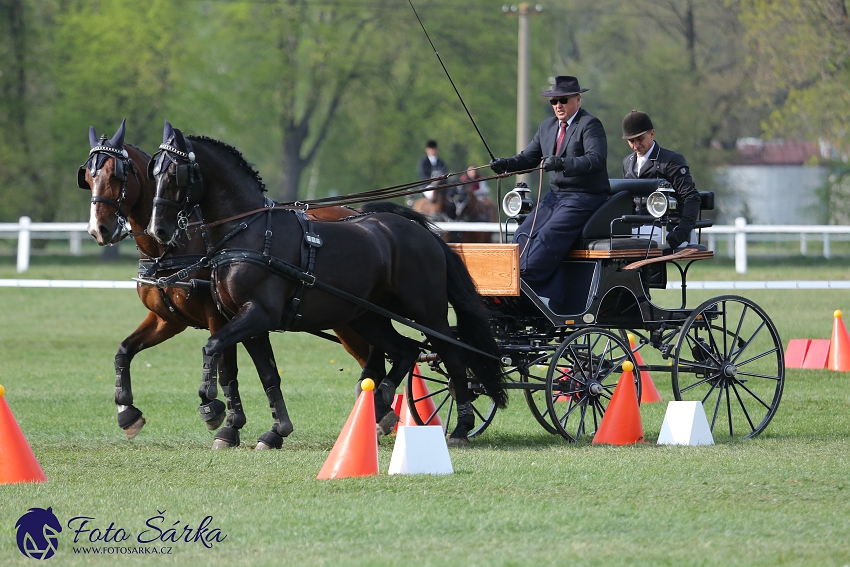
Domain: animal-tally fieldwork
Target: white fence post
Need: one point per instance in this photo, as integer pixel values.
(712, 242)
(826, 252)
(804, 244)
(76, 241)
(741, 245)
(24, 244)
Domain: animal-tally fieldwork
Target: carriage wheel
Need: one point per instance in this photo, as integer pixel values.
(434, 404)
(535, 373)
(582, 376)
(729, 356)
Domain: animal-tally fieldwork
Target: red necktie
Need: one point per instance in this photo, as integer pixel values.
(561, 137)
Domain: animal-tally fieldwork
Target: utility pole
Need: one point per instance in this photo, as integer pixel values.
(522, 11)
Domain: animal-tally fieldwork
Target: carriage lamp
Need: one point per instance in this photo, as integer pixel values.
(662, 201)
(517, 202)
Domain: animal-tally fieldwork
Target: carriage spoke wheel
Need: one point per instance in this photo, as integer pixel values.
(430, 399)
(729, 357)
(581, 379)
(534, 373)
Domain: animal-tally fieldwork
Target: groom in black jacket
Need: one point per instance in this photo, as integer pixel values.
(651, 161)
(574, 149)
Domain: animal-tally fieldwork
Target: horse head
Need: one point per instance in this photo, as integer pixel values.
(105, 174)
(179, 185)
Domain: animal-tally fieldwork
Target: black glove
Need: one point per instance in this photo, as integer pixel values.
(553, 163)
(499, 165)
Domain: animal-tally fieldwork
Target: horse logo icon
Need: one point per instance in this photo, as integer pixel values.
(38, 533)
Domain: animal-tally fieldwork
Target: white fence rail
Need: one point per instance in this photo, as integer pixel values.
(25, 230)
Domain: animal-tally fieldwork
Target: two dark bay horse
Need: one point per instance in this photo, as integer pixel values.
(121, 205)
(275, 270)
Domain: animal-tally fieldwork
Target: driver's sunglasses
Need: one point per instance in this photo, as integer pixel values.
(565, 100)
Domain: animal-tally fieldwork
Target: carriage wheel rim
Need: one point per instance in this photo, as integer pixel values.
(736, 391)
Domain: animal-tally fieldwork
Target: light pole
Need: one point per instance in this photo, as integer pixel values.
(522, 11)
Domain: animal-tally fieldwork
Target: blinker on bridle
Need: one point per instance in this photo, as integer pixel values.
(187, 175)
(97, 157)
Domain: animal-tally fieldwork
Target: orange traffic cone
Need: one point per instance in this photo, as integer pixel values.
(648, 392)
(621, 423)
(839, 346)
(424, 407)
(17, 462)
(355, 452)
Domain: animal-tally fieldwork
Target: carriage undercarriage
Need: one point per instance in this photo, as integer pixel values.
(725, 353)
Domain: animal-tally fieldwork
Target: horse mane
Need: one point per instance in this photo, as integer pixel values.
(241, 161)
(140, 150)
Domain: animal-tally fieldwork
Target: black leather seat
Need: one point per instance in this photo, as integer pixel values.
(597, 231)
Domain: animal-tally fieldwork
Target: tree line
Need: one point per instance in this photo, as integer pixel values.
(339, 96)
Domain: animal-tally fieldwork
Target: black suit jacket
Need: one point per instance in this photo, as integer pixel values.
(669, 165)
(426, 170)
(585, 153)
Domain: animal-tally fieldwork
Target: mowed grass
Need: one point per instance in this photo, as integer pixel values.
(519, 496)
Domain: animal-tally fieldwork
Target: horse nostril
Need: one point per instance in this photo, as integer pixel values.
(104, 232)
(161, 235)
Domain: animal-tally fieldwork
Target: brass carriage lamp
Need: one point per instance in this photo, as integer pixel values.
(518, 202)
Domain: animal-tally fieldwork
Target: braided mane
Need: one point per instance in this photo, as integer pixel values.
(241, 161)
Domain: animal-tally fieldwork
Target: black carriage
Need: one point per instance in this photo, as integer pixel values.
(566, 354)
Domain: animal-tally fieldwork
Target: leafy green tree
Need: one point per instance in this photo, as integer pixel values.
(802, 52)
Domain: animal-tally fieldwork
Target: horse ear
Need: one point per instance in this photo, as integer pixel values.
(167, 132)
(117, 140)
(92, 136)
(179, 141)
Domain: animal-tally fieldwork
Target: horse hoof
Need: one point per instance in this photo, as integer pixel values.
(223, 444)
(213, 414)
(133, 429)
(457, 442)
(387, 423)
(215, 423)
(269, 440)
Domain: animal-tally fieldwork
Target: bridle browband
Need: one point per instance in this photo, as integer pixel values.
(122, 164)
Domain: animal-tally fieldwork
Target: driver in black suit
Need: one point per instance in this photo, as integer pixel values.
(574, 149)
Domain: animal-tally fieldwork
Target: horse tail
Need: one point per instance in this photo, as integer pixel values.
(473, 321)
(473, 326)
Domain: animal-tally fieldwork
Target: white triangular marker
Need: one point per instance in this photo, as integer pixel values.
(420, 450)
(685, 424)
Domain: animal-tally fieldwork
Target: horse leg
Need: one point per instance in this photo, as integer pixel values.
(228, 436)
(403, 353)
(152, 331)
(371, 361)
(456, 369)
(260, 349)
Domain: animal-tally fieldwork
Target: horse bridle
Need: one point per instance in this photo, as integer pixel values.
(122, 164)
(188, 175)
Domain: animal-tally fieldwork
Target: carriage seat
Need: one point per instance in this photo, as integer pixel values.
(598, 230)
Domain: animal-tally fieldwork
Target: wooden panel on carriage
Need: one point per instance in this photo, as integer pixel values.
(494, 267)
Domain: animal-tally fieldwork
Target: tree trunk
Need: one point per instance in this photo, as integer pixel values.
(291, 162)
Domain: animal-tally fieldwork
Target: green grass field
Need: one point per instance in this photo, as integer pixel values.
(519, 496)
